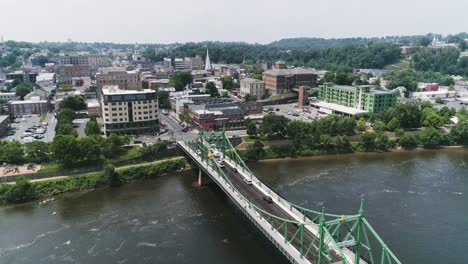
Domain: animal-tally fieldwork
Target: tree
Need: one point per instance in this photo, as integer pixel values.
(20, 192)
(430, 137)
(211, 89)
(252, 129)
(23, 89)
(66, 115)
(67, 129)
(75, 103)
(163, 100)
(439, 100)
(432, 119)
(92, 128)
(12, 152)
(368, 140)
(343, 145)
(228, 82)
(255, 151)
(65, 150)
(186, 116)
(361, 126)
(112, 176)
(37, 151)
(250, 98)
(459, 132)
(408, 140)
(382, 142)
(90, 148)
(379, 126)
(393, 125)
(112, 145)
(275, 126)
(180, 79)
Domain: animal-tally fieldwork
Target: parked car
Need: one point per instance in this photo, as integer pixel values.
(137, 141)
(267, 199)
(249, 182)
(234, 169)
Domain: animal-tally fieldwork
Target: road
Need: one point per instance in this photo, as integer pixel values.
(255, 196)
(175, 129)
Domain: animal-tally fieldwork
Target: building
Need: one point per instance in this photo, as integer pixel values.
(93, 107)
(432, 95)
(407, 50)
(432, 87)
(182, 64)
(280, 81)
(125, 80)
(208, 66)
(22, 76)
(213, 120)
(8, 96)
(67, 72)
(302, 98)
(253, 87)
(168, 64)
(129, 111)
(359, 97)
(439, 44)
(279, 65)
(4, 124)
(28, 107)
(93, 60)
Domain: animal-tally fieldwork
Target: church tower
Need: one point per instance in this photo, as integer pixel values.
(208, 62)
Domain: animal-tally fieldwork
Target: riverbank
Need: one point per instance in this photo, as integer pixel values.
(367, 153)
(25, 190)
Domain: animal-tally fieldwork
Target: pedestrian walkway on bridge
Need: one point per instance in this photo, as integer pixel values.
(302, 235)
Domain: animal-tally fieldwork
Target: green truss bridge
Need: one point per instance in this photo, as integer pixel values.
(303, 235)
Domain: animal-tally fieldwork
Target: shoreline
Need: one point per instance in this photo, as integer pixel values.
(391, 152)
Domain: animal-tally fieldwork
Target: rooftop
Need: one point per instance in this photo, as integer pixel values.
(251, 80)
(339, 108)
(114, 89)
(286, 72)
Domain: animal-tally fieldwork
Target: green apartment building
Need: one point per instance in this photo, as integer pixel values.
(359, 97)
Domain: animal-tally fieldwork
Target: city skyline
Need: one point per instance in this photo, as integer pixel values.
(262, 22)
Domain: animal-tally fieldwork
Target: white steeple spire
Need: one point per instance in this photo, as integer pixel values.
(207, 61)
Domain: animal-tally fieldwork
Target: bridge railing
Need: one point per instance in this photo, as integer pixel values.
(343, 231)
(313, 247)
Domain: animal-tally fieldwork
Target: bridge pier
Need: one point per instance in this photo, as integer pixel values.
(199, 177)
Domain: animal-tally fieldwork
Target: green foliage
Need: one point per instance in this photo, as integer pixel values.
(211, 89)
(408, 140)
(67, 129)
(152, 151)
(163, 100)
(255, 151)
(75, 103)
(24, 190)
(430, 118)
(12, 152)
(459, 132)
(368, 141)
(431, 137)
(92, 128)
(393, 125)
(24, 88)
(408, 116)
(228, 83)
(19, 192)
(186, 116)
(275, 126)
(65, 150)
(379, 126)
(180, 79)
(252, 129)
(444, 60)
(37, 151)
(112, 145)
(361, 125)
(89, 148)
(111, 176)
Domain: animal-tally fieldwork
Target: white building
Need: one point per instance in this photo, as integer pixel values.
(253, 87)
(129, 111)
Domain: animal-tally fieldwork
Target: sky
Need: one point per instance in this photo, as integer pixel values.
(253, 21)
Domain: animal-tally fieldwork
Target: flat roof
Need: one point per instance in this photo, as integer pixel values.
(285, 72)
(250, 80)
(3, 118)
(339, 108)
(113, 90)
(28, 102)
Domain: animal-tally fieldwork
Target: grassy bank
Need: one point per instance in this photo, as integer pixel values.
(24, 190)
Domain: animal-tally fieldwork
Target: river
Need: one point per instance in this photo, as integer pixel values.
(417, 201)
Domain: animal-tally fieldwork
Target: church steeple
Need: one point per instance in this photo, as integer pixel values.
(207, 61)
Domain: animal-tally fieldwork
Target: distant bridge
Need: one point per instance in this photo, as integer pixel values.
(304, 236)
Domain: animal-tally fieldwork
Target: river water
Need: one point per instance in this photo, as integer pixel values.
(417, 202)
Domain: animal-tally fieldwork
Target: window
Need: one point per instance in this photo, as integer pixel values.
(114, 109)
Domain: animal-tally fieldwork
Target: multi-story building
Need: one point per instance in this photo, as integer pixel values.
(4, 124)
(67, 72)
(8, 96)
(93, 60)
(212, 120)
(28, 107)
(168, 64)
(129, 111)
(182, 64)
(22, 76)
(358, 97)
(280, 81)
(253, 87)
(125, 80)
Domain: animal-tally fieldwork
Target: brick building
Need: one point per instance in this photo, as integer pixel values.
(280, 81)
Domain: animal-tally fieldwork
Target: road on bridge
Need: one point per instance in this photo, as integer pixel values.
(255, 196)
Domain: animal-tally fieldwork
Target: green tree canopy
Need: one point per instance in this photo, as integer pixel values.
(92, 128)
(65, 150)
(75, 103)
(37, 151)
(180, 79)
(211, 89)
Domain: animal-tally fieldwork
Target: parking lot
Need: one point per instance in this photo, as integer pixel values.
(20, 125)
(292, 112)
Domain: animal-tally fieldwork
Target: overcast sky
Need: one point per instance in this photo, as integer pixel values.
(262, 21)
